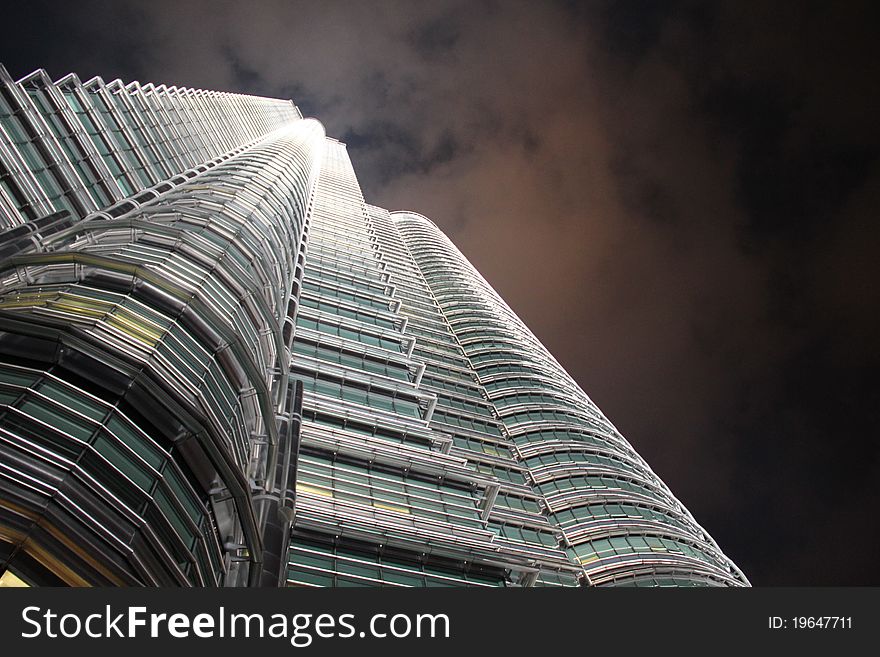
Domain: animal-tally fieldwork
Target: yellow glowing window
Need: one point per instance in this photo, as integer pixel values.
(70, 306)
(84, 302)
(133, 326)
(17, 304)
(28, 299)
(306, 488)
(10, 580)
(391, 507)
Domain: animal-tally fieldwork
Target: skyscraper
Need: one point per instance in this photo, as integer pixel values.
(220, 366)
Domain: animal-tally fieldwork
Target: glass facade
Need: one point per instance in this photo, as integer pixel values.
(601, 502)
(219, 366)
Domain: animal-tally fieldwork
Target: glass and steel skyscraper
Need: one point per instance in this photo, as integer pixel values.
(220, 366)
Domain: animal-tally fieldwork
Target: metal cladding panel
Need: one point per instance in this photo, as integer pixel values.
(145, 413)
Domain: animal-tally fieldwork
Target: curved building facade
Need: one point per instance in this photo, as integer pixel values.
(611, 513)
(219, 366)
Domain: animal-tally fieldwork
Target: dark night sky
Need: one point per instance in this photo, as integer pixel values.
(680, 199)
